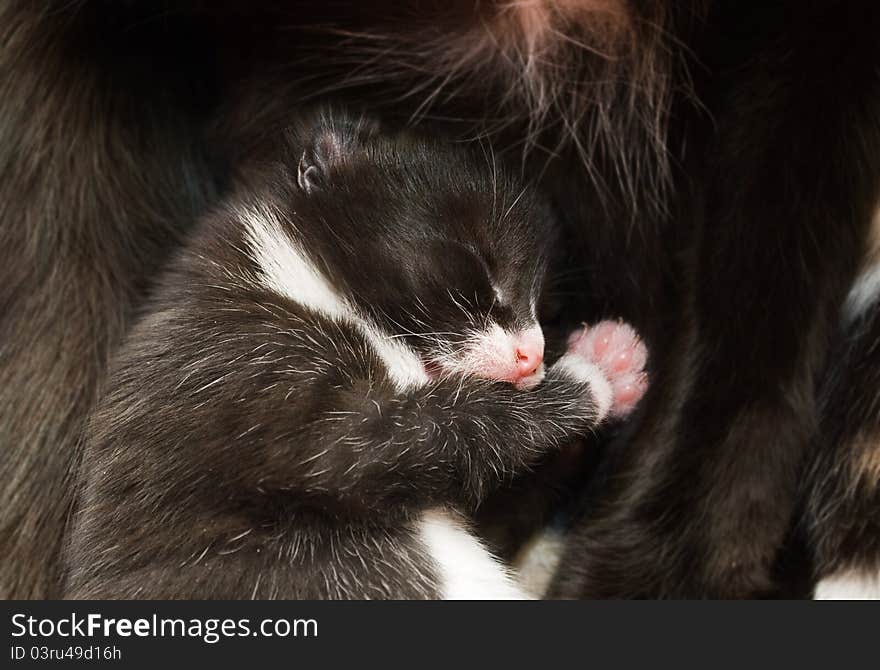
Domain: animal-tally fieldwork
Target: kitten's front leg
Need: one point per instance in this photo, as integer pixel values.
(459, 438)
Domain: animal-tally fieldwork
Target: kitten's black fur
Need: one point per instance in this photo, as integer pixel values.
(714, 163)
(250, 446)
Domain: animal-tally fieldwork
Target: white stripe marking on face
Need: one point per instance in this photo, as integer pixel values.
(287, 270)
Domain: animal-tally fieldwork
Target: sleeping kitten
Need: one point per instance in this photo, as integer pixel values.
(344, 358)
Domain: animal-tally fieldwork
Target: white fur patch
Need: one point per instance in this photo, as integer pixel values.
(580, 369)
(849, 585)
(288, 270)
(866, 288)
(537, 561)
(863, 293)
(490, 353)
(466, 568)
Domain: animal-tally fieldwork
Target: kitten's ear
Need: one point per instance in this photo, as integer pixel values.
(318, 161)
(307, 176)
(334, 140)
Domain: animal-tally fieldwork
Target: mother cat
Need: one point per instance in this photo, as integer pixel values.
(716, 165)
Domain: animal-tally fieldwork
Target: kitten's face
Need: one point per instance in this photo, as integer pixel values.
(472, 312)
(442, 249)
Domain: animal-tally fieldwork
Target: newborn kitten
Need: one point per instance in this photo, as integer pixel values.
(344, 357)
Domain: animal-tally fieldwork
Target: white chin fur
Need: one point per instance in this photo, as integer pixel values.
(491, 354)
(466, 569)
(532, 381)
(849, 585)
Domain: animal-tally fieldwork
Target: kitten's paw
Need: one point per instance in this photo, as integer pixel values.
(615, 349)
(576, 367)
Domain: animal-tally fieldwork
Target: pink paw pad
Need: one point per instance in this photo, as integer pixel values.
(616, 349)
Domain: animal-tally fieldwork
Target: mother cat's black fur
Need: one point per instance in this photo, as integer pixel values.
(728, 228)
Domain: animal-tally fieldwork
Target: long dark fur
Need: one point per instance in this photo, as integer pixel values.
(101, 167)
(703, 500)
(735, 270)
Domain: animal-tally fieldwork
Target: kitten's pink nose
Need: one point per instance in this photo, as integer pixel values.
(529, 355)
(509, 356)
